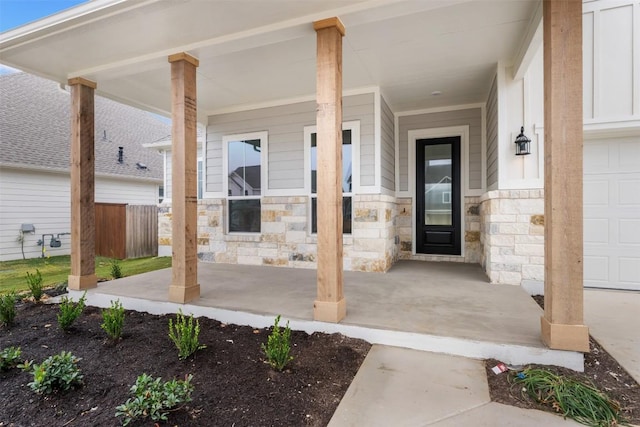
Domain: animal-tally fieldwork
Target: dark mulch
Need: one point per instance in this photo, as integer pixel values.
(599, 368)
(233, 384)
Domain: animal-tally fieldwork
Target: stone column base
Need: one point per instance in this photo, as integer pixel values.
(565, 337)
(184, 294)
(80, 283)
(329, 311)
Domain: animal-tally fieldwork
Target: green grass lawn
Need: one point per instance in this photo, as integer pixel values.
(55, 270)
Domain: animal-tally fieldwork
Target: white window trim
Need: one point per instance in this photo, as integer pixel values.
(354, 127)
(414, 135)
(264, 147)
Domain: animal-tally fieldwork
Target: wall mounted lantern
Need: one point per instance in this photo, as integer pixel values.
(523, 144)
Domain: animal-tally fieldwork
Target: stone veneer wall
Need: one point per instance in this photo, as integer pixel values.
(472, 239)
(285, 239)
(512, 236)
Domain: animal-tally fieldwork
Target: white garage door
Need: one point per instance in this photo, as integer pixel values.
(612, 213)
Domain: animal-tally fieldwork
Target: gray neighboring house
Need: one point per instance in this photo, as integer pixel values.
(34, 160)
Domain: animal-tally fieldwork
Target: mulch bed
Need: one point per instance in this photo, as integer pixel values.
(233, 384)
(599, 368)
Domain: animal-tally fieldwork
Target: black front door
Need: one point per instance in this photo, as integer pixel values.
(438, 196)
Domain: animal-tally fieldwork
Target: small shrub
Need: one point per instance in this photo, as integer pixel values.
(113, 320)
(278, 346)
(7, 309)
(57, 373)
(70, 311)
(116, 268)
(9, 358)
(35, 285)
(570, 397)
(184, 334)
(154, 399)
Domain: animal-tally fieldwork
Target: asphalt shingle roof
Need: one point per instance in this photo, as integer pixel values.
(35, 130)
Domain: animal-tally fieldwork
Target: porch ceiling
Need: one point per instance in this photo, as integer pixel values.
(257, 52)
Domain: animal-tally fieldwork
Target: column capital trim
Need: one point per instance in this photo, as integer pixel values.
(328, 23)
(183, 56)
(82, 81)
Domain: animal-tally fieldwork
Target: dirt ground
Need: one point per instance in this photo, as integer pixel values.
(599, 368)
(233, 384)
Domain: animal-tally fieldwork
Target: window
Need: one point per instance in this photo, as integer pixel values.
(160, 193)
(200, 179)
(350, 139)
(244, 180)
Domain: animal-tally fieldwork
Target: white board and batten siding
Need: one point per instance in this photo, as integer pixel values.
(471, 117)
(285, 127)
(611, 49)
(43, 199)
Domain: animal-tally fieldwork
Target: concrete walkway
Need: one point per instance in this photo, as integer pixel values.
(613, 318)
(400, 387)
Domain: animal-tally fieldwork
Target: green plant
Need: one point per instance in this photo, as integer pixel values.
(57, 372)
(184, 334)
(70, 311)
(113, 320)
(35, 284)
(278, 346)
(7, 308)
(9, 358)
(570, 397)
(154, 399)
(115, 268)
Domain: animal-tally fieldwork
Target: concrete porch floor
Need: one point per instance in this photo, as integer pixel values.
(440, 307)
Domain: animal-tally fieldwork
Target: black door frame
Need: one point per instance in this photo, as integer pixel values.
(452, 233)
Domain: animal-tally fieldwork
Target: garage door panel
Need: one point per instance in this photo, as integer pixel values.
(629, 192)
(612, 213)
(596, 193)
(629, 156)
(629, 231)
(596, 268)
(629, 269)
(596, 157)
(596, 230)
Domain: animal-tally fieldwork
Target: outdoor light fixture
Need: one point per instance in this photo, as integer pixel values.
(523, 146)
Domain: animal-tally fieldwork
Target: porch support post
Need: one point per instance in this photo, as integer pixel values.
(184, 282)
(562, 323)
(83, 214)
(330, 305)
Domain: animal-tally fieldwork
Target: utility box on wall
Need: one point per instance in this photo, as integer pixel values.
(126, 231)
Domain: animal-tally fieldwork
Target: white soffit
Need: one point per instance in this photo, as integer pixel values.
(254, 52)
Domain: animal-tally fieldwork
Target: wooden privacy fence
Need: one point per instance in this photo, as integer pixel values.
(126, 231)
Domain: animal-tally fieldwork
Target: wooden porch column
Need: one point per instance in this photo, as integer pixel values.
(184, 198)
(562, 323)
(83, 215)
(330, 305)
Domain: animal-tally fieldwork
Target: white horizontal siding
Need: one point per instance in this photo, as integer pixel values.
(43, 199)
(285, 126)
(471, 117)
(492, 136)
(387, 152)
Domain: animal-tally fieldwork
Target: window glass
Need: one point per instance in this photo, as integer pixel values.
(244, 168)
(200, 179)
(347, 181)
(244, 215)
(244, 159)
(346, 162)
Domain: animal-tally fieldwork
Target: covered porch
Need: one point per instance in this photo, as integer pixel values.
(433, 306)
